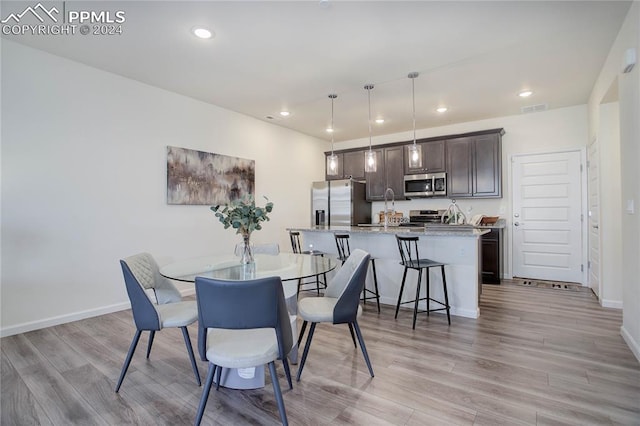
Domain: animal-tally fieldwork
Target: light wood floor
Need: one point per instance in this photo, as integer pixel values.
(535, 356)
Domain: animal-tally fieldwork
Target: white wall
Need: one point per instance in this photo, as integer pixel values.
(610, 196)
(84, 183)
(629, 111)
(550, 131)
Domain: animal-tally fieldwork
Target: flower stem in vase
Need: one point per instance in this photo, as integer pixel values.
(247, 250)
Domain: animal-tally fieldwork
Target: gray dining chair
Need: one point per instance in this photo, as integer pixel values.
(339, 305)
(156, 304)
(243, 324)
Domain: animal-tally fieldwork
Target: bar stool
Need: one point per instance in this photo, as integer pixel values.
(294, 236)
(344, 251)
(408, 247)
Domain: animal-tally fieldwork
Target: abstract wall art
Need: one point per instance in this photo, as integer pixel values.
(199, 178)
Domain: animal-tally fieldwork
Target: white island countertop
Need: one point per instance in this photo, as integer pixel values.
(458, 246)
(435, 230)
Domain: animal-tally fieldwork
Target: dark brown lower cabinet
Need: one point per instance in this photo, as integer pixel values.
(491, 249)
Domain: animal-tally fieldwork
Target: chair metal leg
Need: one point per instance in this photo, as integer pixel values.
(218, 378)
(127, 361)
(187, 342)
(302, 329)
(205, 393)
(415, 306)
(151, 336)
(287, 372)
(404, 277)
(363, 347)
(306, 350)
(428, 293)
(446, 296)
(375, 282)
(353, 336)
(278, 393)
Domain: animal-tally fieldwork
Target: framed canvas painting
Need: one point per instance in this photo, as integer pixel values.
(204, 178)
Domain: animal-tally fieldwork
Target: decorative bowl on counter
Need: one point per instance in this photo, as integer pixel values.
(489, 220)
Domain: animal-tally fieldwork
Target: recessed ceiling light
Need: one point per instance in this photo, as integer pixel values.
(202, 32)
(525, 93)
(442, 109)
(284, 113)
(329, 130)
(379, 120)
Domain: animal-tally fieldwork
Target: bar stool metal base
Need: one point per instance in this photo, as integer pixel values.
(344, 251)
(408, 247)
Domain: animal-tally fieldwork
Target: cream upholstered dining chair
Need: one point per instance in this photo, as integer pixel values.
(339, 305)
(243, 324)
(156, 304)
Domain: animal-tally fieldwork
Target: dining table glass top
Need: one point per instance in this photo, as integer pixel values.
(287, 266)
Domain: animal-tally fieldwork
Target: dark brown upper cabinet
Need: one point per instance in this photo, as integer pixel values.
(472, 161)
(433, 158)
(389, 174)
(474, 166)
(350, 166)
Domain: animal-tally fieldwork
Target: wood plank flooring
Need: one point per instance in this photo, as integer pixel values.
(536, 356)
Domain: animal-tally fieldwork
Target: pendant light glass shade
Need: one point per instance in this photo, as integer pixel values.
(332, 160)
(415, 150)
(370, 160)
(332, 165)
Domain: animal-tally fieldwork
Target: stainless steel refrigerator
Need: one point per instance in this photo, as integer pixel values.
(339, 203)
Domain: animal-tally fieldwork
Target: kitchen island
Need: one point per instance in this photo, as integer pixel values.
(457, 246)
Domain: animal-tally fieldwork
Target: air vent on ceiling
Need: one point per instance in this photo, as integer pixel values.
(534, 108)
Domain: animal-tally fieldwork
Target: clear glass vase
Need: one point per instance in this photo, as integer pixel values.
(246, 255)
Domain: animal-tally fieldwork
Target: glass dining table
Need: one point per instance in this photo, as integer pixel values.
(290, 267)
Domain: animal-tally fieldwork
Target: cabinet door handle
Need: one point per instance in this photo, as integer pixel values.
(596, 227)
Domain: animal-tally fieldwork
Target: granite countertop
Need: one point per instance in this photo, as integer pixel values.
(434, 229)
(439, 231)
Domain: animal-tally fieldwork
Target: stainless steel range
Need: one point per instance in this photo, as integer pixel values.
(422, 217)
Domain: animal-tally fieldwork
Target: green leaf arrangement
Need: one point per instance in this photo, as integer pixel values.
(243, 215)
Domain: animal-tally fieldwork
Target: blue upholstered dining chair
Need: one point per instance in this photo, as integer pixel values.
(156, 304)
(243, 324)
(339, 305)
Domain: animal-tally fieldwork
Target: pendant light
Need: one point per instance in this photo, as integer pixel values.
(370, 156)
(415, 150)
(332, 160)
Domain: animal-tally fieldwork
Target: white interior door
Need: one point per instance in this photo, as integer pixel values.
(594, 217)
(547, 216)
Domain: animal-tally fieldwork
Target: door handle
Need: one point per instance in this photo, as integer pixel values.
(516, 224)
(595, 227)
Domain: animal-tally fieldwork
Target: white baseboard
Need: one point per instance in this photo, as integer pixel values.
(633, 345)
(76, 316)
(62, 319)
(616, 304)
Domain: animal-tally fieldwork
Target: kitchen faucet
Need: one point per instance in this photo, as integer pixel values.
(393, 197)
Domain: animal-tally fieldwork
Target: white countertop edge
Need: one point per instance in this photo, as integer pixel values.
(466, 232)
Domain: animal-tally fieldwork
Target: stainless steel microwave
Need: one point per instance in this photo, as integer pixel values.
(425, 185)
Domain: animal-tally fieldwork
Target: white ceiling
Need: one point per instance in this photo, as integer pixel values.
(474, 57)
